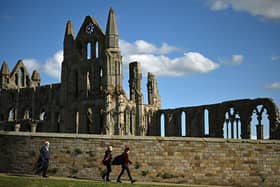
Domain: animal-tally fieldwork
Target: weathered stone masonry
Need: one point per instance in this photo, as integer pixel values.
(179, 160)
(91, 99)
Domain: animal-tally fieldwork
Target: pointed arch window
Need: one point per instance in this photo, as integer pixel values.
(21, 77)
(232, 124)
(97, 49)
(43, 116)
(89, 54)
(27, 114)
(11, 114)
(88, 83)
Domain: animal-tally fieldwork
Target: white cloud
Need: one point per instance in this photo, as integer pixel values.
(51, 66)
(218, 5)
(274, 85)
(143, 47)
(154, 59)
(269, 9)
(235, 59)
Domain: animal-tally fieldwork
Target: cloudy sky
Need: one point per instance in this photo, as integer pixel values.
(202, 51)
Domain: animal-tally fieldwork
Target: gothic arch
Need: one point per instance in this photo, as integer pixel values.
(90, 39)
(20, 75)
(12, 114)
(232, 123)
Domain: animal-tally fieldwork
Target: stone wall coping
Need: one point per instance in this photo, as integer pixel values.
(116, 137)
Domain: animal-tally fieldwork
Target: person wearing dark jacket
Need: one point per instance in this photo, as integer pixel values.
(125, 166)
(107, 161)
(43, 160)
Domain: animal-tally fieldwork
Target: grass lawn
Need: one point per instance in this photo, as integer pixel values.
(29, 181)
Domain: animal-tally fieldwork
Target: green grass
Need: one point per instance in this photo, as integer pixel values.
(29, 181)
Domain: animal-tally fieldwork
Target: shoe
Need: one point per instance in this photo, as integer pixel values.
(45, 176)
(119, 181)
(133, 181)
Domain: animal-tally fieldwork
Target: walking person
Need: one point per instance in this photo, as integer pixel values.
(107, 161)
(125, 166)
(42, 163)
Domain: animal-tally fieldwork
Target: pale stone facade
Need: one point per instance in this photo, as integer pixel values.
(91, 98)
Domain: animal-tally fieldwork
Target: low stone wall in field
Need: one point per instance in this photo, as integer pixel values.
(164, 159)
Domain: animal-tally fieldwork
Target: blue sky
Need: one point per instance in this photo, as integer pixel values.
(202, 51)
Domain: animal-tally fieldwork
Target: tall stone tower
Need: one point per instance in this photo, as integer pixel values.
(92, 95)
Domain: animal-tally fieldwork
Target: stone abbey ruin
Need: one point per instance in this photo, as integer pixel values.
(91, 99)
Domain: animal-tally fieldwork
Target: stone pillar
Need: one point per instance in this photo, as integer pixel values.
(33, 127)
(259, 131)
(17, 127)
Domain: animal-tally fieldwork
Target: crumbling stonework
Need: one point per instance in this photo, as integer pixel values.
(91, 98)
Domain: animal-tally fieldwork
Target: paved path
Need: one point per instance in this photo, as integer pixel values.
(88, 180)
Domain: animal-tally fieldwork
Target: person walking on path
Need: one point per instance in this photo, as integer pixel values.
(107, 161)
(125, 166)
(42, 163)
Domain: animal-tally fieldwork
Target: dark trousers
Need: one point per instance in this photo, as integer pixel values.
(45, 168)
(42, 167)
(125, 167)
(108, 171)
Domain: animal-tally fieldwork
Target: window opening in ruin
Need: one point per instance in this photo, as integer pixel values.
(77, 122)
(89, 51)
(21, 77)
(88, 83)
(27, 114)
(11, 115)
(42, 116)
(183, 123)
(232, 124)
(97, 49)
(101, 73)
(260, 120)
(206, 122)
(162, 125)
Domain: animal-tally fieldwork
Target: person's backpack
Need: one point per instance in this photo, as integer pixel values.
(118, 160)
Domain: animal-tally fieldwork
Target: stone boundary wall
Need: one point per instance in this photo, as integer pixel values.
(165, 159)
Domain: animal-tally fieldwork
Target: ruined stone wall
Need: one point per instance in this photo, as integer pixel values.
(229, 114)
(22, 106)
(176, 160)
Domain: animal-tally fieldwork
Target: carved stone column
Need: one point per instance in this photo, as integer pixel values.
(260, 132)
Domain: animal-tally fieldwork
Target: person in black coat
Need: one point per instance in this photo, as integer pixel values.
(125, 166)
(107, 161)
(42, 163)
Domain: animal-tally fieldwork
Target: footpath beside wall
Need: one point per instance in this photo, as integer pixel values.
(165, 159)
